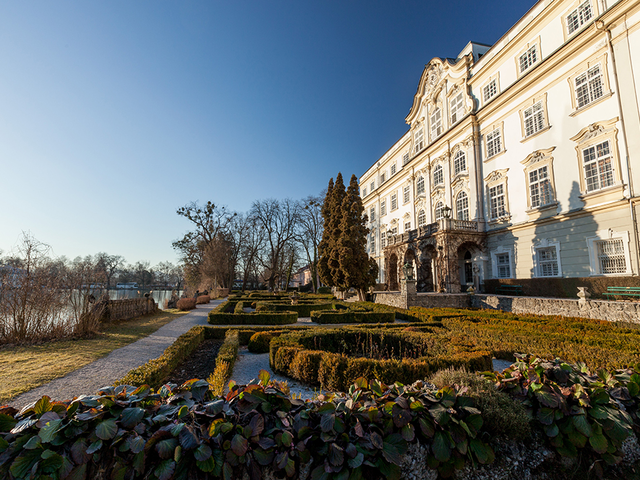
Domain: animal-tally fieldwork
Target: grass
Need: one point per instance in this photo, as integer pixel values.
(23, 368)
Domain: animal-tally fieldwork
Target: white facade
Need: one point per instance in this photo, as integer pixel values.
(534, 145)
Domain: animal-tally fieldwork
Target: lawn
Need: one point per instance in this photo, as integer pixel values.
(26, 367)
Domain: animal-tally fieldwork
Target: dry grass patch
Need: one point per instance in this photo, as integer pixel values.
(26, 367)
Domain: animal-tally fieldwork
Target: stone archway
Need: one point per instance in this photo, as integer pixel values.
(392, 273)
(410, 258)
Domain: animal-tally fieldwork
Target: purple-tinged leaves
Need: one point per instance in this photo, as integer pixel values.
(188, 439)
(106, 429)
(165, 470)
(239, 445)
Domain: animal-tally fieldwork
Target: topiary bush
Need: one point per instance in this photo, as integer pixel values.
(203, 299)
(259, 342)
(186, 304)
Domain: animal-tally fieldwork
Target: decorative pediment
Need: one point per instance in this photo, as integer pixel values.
(406, 216)
(461, 183)
(430, 86)
(421, 202)
(594, 130)
(438, 196)
(496, 176)
(537, 156)
(394, 222)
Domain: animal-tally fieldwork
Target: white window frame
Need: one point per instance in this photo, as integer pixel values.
(501, 251)
(422, 218)
(438, 175)
(539, 263)
(435, 122)
(383, 177)
(579, 17)
(600, 168)
(456, 108)
(493, 142)
(406, 194)
(533, 119)
(591, 84)
(498, 195)
(364, 192)
(407, 226)
(372, 186)
(383, 207)
(438, 212)
(393, 168)
(394, 201)
(490, 90)
(529, 58)
(539, 183)
(420, 185)
(372, 214)
(418, 140)
(459, 162)
(462, 200)
(594, 258)
(405, 158)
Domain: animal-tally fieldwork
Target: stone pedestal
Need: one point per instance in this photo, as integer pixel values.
(408, 288)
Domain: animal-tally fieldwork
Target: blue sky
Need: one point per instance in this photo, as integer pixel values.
(114, 114)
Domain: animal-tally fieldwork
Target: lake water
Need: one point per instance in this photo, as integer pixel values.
(158, 295)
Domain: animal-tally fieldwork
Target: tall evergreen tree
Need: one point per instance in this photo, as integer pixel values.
(338, 194)
(357, 269)
(325, 244)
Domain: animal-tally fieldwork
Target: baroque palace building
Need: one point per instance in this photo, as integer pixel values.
(522, 159)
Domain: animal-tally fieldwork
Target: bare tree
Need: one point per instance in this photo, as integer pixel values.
(278, 219)
(109, 265)
(309, 234)
(252, 244)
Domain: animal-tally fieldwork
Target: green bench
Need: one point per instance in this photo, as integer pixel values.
(624, 291)
(509, 290)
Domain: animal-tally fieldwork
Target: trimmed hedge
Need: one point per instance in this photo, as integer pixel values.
(186, 304)
(328, 317)
(225, 361)
(260, 341)
(302, 309)
(255, 318)
(155, 371)
(203, 299)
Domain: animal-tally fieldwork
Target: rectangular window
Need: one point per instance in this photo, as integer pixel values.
(494, 143)
(373, 243)
(490, 90)
(503, 265)
(394, 230)
(457, 108)
(589, 86)
(598, 168)
(372, 214)
(406, 194)
(540, 187)
(579, 17)
(611, 256)
(547, 260)
(407, 226)
(528, 58)
(496, 201)
(383, 178)
(394, 201)
(436, 124)
(372, 186)
(419, 140)
(364, 192)
(383, 240)
(383, 208)
(533, 119)
(405, 159)
(393, 169)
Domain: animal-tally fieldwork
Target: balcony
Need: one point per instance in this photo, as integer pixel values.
(444, 224)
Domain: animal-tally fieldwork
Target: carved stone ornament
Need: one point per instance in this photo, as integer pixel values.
(421, 202)
(594, 130)
(406, 216)
(537, 156)
(496, 175)
(394, 221)
(469, 141)
(462, 183)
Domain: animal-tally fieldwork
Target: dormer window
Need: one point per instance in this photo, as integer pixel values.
(436, 123)
(419, 140)
(579, 17)
(457, 108)
(528, 58)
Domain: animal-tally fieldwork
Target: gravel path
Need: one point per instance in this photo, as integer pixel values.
(104, 371)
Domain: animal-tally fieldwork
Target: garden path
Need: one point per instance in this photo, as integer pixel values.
(105, 371)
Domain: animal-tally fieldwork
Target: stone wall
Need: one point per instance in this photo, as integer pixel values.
(116, 310)
(627, 311)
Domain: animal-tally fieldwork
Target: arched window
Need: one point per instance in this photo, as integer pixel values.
(438, 175)
(422, 218)
(420, 185)
(439, 213)
(462, 206)
(459, 162)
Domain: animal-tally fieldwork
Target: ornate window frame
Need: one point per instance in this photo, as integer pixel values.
(582, 69)
(532, 46)
(575, 8)
(490, 130)
(438, 171)
(604, 235)
(422, 217)
(530, 104)
(494, 179)
(590, 136)
(502, 250)
(535, 161)
(457, 153)
(459, 197)
(495, 78)
(537, 263)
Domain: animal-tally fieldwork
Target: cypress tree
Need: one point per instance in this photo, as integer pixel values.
(357, 269)
(335, 231)
(324, 247)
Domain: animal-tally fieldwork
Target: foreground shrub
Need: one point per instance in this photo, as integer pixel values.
(203, 299)
(187, 432)
(155, 371)
(225, 361)
(259, 342)
(186, 304)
